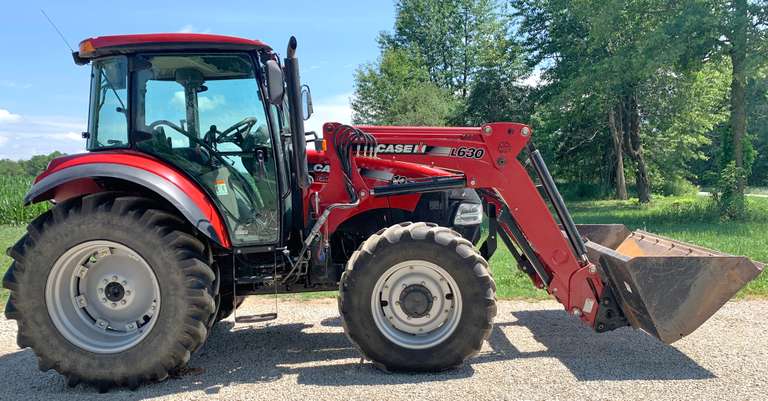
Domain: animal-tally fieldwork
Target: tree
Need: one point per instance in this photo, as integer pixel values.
(613, 53)
(445, 62)
(397, 91)
(30, 168)
(449, 35)
(744, 38)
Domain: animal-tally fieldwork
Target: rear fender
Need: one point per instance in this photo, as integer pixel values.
(75, 176)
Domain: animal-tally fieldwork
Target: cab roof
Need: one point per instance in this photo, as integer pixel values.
(123, 44)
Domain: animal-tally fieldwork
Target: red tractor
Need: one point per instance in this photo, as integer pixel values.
(196, 192)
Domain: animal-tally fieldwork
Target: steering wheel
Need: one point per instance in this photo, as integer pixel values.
(202, 148)
(170, 124)
(239, 128)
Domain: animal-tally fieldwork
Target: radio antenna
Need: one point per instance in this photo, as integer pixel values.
(61, 35)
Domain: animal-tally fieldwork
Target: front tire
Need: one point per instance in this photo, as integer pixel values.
(110, 290)
(417, 297)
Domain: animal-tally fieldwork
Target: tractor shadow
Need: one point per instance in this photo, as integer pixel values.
(247, 356)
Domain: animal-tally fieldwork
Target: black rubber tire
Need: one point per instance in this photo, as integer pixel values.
(176, 257)
(439, 245)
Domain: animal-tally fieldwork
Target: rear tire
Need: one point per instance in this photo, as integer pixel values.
(123, 225)
(417, 297)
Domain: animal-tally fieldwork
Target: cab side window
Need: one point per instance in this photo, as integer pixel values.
(108, 122)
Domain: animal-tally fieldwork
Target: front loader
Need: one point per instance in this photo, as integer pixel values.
(198, 190)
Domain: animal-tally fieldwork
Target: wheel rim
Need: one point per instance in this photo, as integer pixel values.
(102, 296)
(416, 304)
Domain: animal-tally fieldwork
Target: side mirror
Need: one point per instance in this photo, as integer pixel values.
(275, 83)
(306, 102)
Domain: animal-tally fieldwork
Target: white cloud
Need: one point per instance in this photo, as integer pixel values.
(533, 80)
(8, 117)
(204, 103)
(13, 84)
(334, 109)
(25, 136)
(189, 28)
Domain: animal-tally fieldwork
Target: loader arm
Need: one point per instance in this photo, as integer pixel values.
(488, 158)
(604, 274)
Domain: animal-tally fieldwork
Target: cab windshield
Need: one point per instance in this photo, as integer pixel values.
(204, 114)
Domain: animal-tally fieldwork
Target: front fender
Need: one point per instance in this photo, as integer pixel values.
(73, 175)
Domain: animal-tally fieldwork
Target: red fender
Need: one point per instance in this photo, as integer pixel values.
(70, 176)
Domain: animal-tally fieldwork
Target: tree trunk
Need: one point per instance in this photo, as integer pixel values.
(618, 139)
(634, 146)
(738, 85)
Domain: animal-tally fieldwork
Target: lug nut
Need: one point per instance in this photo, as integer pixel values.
(104, 300)
(122, 302)
(124, 282)
(127, 292)
(114, 304)
(114, 278)
(101, 290)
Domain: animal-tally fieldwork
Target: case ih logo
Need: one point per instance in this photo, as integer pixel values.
(385, 148)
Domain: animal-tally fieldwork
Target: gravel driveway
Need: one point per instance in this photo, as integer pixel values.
(536, 351)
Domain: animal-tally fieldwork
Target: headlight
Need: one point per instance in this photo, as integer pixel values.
(468, 214)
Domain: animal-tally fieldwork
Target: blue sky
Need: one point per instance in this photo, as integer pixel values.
(44, 95)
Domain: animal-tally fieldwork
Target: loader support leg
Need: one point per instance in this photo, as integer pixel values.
(488, 247)
(510, 228)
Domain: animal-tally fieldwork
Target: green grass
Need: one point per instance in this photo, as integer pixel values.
(690, 219)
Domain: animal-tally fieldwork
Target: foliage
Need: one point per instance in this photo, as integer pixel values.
(12, 209)
(730, 202)
(397, 91)
(28, 168)
(446, 62)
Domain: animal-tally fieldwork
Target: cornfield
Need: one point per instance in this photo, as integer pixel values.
(12, 210)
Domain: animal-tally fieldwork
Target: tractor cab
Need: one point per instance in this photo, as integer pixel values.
(216, 115)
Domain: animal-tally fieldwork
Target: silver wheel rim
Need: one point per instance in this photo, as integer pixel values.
(102, 296)
(426, 325)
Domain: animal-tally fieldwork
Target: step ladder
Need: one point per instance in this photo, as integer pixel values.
(256, 318)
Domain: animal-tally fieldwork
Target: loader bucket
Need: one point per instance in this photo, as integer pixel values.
(665, 287)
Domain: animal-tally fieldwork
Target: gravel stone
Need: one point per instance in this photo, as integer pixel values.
(536, 352)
